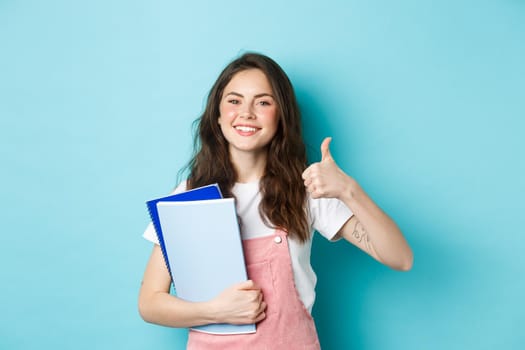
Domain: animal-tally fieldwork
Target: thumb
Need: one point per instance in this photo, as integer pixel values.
(325, 149)
(248, 285)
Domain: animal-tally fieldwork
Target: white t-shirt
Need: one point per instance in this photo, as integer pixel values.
(326, 216)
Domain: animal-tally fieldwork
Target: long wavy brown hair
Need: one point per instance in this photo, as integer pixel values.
(283, 202)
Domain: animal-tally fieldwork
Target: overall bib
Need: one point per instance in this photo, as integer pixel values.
(288, 325)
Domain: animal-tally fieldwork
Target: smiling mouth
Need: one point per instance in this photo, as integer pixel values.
(246, 128)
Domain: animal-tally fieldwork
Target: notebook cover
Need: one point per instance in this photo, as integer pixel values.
(206, 192)
(204, 249)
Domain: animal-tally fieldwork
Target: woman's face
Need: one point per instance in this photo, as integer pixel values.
(248, 112)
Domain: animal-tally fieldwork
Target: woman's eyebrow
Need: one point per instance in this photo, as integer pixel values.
(263, 95)
(234, 93)
(256, 96)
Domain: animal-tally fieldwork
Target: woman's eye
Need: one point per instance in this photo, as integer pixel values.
(264, 103)
(233, 102)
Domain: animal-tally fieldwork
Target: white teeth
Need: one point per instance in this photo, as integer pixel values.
(245, 128)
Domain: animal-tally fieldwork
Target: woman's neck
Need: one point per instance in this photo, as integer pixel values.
(249, 166)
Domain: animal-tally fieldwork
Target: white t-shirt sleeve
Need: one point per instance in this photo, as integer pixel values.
(328, 215)
(150, 233)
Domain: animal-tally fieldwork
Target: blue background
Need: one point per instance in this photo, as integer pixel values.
(425, 103)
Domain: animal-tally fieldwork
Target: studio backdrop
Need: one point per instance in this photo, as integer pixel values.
(425, 104)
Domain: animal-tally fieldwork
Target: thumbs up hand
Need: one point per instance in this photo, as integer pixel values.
(325, 150)
(325, 179)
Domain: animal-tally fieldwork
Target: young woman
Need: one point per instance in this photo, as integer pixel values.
(250, 143)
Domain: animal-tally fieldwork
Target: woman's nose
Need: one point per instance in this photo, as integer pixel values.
(247, 112)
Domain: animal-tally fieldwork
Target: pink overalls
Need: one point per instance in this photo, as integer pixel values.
(288, 325)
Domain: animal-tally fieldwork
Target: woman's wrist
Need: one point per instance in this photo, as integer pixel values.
(210, 312)
(349, 192)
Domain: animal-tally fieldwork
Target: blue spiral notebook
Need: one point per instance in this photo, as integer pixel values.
(202, 247)
(201, 193)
